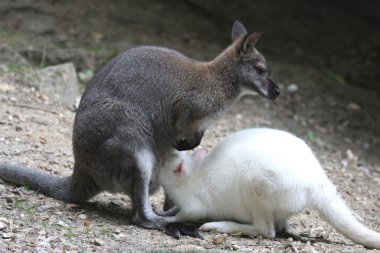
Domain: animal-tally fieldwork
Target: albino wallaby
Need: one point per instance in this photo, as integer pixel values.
(252, 182)
(136, 108)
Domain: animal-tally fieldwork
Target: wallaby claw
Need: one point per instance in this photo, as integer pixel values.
(176, 230)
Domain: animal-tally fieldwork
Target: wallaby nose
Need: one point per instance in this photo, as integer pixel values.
(274, 92)
(277, 91)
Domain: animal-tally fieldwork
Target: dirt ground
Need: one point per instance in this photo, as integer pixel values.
(339, 121)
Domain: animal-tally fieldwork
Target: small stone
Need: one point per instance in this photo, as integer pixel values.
(2, 225)
(292, 87)
(235, 247)
(46, 207)
(9, 199)
(308, 249)
(290, 239)
(98, 242)
(43, 140)
(61, 223)
(4, 220)
(350, 156)
(82, 216)
(87, 223)
(4, 87)
(7, 235)
(71, 206)
(353, 107)
(219, 239)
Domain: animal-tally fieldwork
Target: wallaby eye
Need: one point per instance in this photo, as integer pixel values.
(260, 69)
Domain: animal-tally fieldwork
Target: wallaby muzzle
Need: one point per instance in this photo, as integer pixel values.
(187, 144)
(273, 90)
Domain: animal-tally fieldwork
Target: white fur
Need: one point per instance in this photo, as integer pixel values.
(146, 160)
(258, 178)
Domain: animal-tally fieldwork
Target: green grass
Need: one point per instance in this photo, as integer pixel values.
(19, 203)
(86, 230)
(32, 210)
(104, 231)
(311, 136)
(69, 232)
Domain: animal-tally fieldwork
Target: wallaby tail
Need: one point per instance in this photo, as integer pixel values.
(54, 186)
(334, 210)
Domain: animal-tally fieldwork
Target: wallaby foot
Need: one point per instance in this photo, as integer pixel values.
(168, 225)
(230, 227)
(176, 230)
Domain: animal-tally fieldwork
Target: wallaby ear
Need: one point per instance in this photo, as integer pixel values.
(238, 30)
(249, 42)
(180, 170)
(200, 154)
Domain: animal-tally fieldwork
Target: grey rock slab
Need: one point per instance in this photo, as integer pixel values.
(60, 83)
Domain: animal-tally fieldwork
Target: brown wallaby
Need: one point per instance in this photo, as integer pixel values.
(139, 106)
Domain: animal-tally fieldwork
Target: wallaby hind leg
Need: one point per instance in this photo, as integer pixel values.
(143, 212)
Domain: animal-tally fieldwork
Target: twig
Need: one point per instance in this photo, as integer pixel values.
(33, 108)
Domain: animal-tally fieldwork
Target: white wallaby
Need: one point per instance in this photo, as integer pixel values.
(252, 182)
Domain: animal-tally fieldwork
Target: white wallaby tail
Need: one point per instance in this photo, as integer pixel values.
(335, 211)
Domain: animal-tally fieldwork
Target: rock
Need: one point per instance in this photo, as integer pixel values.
(61, 223)
(72, 206)
(308, 249)
(219, 239)
(292, 87)
(4, 87)
(350, 156)
(60, 83)
(2, 225)
(87, 223)
(353, 107)
(7, 235)
(55, 56)
(77, 102)
(46, 207)
(82, 216)
(98, 242)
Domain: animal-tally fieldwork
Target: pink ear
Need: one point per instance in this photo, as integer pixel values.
(200, 154)
(180, 170)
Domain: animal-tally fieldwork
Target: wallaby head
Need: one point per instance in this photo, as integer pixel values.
(251, 68)
(179, 165)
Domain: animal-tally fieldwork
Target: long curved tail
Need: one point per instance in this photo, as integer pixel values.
(54, 186)
(334, 210)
